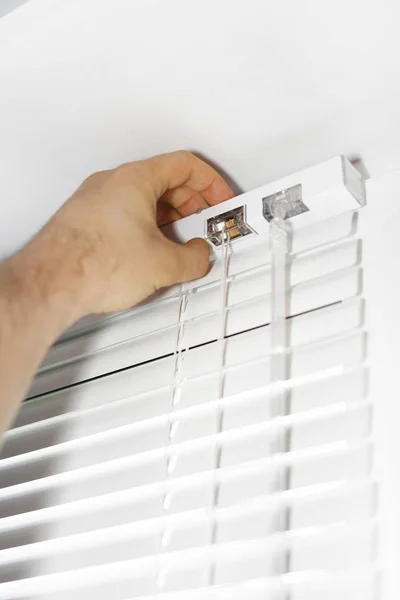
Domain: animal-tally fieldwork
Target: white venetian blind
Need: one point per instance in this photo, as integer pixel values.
(161, 454)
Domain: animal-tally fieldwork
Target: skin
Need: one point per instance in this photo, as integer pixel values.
(101, 252)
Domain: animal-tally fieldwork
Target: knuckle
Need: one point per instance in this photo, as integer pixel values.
(136, 173)
(121, 173)
(93, 178)
(129, 169)
(184, 154)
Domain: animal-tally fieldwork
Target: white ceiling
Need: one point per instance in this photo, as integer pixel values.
(260, 87)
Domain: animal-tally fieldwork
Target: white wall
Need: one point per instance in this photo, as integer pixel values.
(261, 87)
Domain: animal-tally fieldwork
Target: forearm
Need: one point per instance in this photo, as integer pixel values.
(39, 299)
(101, 252)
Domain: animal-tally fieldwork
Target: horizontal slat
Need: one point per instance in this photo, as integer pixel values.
(75, 519)
(108, 494)
(147, 440)
(305, 328)
(308, 238)
(241, 410)
(307, 467)
(340, 352)
(352, 585)
(333, 548)
(114, 350)
(184, 494)
(252, 520)
(343, 351)
(158, 322)
(242, 348)
(324, 291)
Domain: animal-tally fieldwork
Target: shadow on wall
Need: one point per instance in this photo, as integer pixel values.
(359, 164)
(7, 6)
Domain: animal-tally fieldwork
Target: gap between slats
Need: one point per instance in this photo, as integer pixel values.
(32, 407)
(345, 255)
(277, 427)
(334, 548)
(333, 461)
(328, 232)
(301, 394)
(294, 509)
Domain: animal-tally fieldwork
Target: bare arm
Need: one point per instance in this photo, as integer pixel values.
(101, 252)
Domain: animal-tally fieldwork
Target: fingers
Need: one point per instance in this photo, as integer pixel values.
(177, 170)
(166, 213)
(184, 262)
(182, 180)
(188, 201)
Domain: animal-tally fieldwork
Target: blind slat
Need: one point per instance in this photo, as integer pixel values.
(343, 546)
(195, 445)
(307, 467)
(242, 409)
(119, 487)
(157, 324)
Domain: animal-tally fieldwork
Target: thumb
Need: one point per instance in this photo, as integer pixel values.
(184, 262)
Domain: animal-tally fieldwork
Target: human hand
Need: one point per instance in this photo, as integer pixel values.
(102, 251)
(105, 243)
